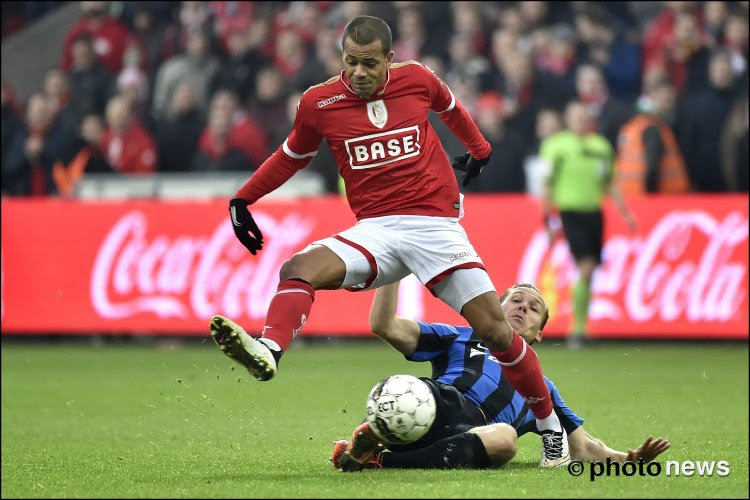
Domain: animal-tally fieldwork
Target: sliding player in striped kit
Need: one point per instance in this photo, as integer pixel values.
(479, 416)
(400, 186)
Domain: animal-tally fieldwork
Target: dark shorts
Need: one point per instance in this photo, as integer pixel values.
(455, 415)
(584, 231)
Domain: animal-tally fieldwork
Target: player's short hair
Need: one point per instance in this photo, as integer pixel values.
(364, 30)
(512, 289)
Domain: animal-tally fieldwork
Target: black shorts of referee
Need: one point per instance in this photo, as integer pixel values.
(584, 232)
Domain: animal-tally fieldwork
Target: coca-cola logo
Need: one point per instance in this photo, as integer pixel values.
(685, 267)
(185, 275)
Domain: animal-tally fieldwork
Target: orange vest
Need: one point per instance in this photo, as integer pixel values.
(631, 167)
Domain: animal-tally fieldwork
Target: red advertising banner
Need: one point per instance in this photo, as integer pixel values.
(166, 267)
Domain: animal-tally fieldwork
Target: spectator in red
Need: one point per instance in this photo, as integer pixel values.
(304, 18)
(660, 31)
(217, 151)
(111, 37)
(27, 169)
(290, 54)
(230, 17)
(686, 55)
(245, 133)
(128, 147)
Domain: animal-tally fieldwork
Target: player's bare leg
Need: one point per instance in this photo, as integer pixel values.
(312, 269)
(581, 295)
(521, 366)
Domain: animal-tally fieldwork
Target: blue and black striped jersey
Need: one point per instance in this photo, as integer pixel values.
(460, 359)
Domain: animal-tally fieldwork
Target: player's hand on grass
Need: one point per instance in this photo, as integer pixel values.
(470, 166)
(243, 224)
(649, 450)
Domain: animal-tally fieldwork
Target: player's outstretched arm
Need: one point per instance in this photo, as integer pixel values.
(649, 449)
(401, 333)
(585, 447)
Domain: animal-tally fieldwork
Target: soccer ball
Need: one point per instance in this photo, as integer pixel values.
(400, 409)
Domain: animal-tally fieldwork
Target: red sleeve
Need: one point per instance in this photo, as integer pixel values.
(144, 159)
(443, 102)
(274, 172)
(304, 139)
(459, 121)
(299, 147)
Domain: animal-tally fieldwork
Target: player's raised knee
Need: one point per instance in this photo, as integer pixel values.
(316, 265)
(500, 442)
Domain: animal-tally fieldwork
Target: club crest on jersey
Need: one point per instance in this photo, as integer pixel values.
(377, 113)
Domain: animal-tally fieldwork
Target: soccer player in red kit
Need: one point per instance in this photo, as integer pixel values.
(400, 186)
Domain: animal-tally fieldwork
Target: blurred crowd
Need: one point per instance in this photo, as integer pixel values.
(145, 87)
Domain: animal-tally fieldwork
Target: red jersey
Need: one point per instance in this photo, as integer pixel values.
(134, 152)
(387, 152)
(110, 38)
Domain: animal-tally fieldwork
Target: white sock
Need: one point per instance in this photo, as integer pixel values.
(550, 422)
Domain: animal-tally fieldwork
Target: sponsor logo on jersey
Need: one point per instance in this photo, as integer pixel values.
(379, 149)
(331, 100)
(377, 113)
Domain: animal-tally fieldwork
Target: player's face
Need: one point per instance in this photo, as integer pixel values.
(524, 311)
(365, 66)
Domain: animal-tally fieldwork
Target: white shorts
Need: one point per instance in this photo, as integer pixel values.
(382, 250)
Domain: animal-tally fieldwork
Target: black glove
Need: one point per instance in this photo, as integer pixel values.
(242, 223)
(470, 166)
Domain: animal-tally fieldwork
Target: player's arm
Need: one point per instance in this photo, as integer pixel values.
(455, 116)
(585, 447)
(401, 333)
(296, 152)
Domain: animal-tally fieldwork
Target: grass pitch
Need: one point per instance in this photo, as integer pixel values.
(175, 420)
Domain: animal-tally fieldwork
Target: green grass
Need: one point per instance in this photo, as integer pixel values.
(172, 421)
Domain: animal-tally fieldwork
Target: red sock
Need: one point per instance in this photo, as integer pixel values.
(522, 368)
(288, 312)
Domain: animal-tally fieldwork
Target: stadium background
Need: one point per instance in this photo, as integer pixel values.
(135, 256)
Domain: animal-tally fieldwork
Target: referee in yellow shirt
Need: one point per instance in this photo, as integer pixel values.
(581, 173)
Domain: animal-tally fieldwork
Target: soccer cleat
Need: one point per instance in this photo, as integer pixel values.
(364, 443)
(339, 447)
(555, 451)
(234, 341)
(343, 461)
